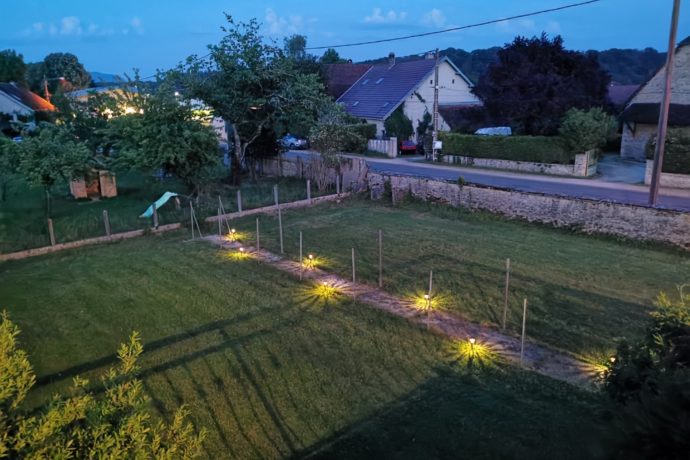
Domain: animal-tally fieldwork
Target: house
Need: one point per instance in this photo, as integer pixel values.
(410, 85)
(18, 104)
(641, 115)
(340, 77)
(618, 95)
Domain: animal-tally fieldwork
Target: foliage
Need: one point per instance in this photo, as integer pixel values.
(676, 150)
(537, 80)
(651, 381)
(252, 84)
(83, 425)
(294, 47)
(9, 162)
(55, 67)
(366, 130)
(331, 56)
(584, 130)
(166, 135)
(424, 125)
(12, 67)
(537, 149)
(398, 125)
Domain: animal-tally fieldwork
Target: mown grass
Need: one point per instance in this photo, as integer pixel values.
(585, 293)
(23, 223)
(275, 372)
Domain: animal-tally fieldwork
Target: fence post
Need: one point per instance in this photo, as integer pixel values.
(301, 260)
(239, 200)
(354, 277)
(155, 216)
(524, 321)
(258, 245)
(220, 228)
(505, 294)
(431, 281)
(380, 258)
(280, 229)
(309, 190)
(191, 217)
(275, 193)
(106, 222)
(51, 232)
(337, 184)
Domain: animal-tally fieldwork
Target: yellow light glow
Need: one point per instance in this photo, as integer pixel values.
(470, 353)
(472, 341)
(241, 249)
(129, 110)
(612, 359)
(311, 256)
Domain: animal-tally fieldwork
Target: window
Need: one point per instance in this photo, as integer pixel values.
(453, 80)
(431, 82)
(355, 104)
(365, 82)
(379, 80)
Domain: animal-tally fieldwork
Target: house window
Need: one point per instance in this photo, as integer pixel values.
(431, 82)
(355, 104)
(365, 82)
(453, 81)
(379, 80)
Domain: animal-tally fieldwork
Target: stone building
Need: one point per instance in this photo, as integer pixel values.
(641, 114)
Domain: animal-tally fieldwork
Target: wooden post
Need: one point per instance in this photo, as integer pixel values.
(524, 321)
(301, 260)
(191, 217)
(337, 184)
(155, 216)
(239, 200)
(505, 295)
(380, 258)
(431, 282)
(309, 190)
(51, 232)
(258, 240)
(354, 278)
(280, 229)
(106, 222)
(275, 193)
(220, 228)
(177, 203)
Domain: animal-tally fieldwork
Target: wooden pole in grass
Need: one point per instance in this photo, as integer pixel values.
(275, 194)
(191, 217)
(505, 295)
(258, 240)
(51, 232)
(524, 322)
(280, 230)
(380, 258)
(309, 190)
(301, 260)
(239, 200)
(337, 184)
(354, 277)
(431, 282)
(220, 228)
(106, 222)
(155, 216)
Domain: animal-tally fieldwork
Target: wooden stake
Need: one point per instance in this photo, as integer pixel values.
(51, 232)
(191, 217)
(431, 282)
(106, 222)
(239, 200)
(524, 322)
(309, 191)
(220, 228)
(301, 260)
(380, 258)
(258, 240)
(155, 216)
(337, 184)
(275, 193)
(354, 278)
(505, 295)
(280, 229)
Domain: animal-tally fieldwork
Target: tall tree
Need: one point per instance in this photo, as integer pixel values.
(62, 70)
(250, 83)
(295, 47)
(12, 67)
(536, 81)
(331, 56)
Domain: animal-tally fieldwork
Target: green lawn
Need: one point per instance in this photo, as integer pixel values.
(275, 372)
(23, 220)
(585, 293)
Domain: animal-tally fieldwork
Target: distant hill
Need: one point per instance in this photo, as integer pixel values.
(626, 66)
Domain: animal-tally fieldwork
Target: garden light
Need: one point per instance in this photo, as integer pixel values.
(472, 341)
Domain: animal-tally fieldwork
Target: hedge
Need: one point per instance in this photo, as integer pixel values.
(536, 149)
(366, 130)
(676, 151)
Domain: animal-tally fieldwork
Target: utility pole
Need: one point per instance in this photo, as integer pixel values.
(434, 136)
(664, 108)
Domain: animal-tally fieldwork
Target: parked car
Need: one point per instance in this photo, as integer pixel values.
(17, 139)
(290, 141)
(495, 131)
(408, 147)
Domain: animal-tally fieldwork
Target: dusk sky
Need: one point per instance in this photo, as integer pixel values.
(116, 36)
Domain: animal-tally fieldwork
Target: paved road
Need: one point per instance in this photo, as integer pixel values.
(580, 188)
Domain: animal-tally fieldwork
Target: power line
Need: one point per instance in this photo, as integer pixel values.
(453, 29)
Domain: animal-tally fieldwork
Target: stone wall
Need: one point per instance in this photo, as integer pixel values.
(353, 171)
(591, 216)
(585, 165)
(635, 138)
(667, 179)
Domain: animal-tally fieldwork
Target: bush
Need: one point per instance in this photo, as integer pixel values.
(586, 130)
(676, 151)
(537, 149)
(366, 130)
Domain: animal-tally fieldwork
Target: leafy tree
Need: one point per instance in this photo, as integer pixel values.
(398, 125)
(112, 425)
(650, 381)
(252, 84)
(584, 130)
(295, 47)
(331, 56)
(536, 81)
(9, 161)
(63, 71)
(165, 134)
(51, 155)
(12, 67)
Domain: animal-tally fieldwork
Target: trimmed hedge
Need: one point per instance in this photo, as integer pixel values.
(536, 149)
(366, 130)
(676, 151)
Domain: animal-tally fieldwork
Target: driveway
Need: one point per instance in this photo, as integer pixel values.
(597, 189)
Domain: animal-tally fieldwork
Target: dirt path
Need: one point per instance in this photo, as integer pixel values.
(543, 360)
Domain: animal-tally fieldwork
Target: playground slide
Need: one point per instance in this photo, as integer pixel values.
(159, 202)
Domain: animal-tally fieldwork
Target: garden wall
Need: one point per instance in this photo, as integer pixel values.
(585, 165)
(387, 146)
(353, 171)
(667, 179)
(592, 216)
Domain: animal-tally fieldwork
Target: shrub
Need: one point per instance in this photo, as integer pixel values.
(676, 151)
(584, 130)
(537, 149)
(366, 130)
(398, 125)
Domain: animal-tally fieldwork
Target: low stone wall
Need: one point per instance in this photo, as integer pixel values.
(585, 165)
(353, 171)
(592, 216)
(388, 146)
(667, 179)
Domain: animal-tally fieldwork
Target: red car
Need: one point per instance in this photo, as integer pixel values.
(408, 147)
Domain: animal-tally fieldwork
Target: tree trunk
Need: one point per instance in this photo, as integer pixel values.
(48, 206)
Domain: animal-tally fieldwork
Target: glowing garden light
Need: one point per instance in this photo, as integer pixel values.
(311, 256)
(612, 359)
(472, 341)
(242, 249)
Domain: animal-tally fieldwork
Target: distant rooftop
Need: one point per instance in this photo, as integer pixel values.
(26, 97)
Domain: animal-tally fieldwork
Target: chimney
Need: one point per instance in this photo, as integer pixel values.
(391, 59)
